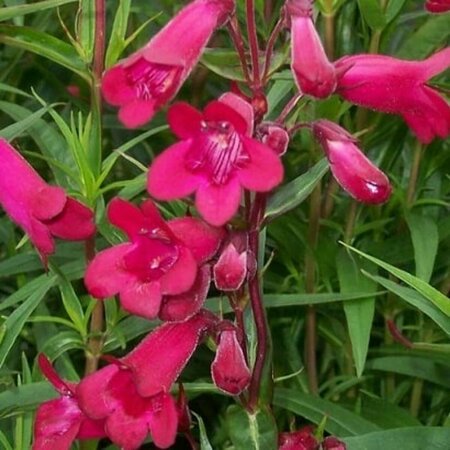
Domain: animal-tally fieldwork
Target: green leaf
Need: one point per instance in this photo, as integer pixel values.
(15, 322)
(415, 299)
(425, 239)
(359, 313)
(24, 398)
(295, 192)
(414, 367)
(340, 421)
(44, 45)
(117, 41)
(393, 8)
(10, 12)
(204, 441)
(372, 13)
(429, 292)
(226, 63)
(247, 431)
(85, 25)
(433, 34)
(414, 438)
(4, 442)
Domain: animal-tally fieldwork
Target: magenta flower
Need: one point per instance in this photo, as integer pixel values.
(150, 77)
(275, 137)
(216, 158)
(437, 6)
(400, 87)
(302, 439)
(313, 72)
(351, 168)
(132, 394)
(229, 369)
(43, 211)
(333, 443)
(162, 258)
(59, 422)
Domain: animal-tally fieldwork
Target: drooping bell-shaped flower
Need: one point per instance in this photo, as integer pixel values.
(229, 369)
(397, 86)
(302, 439)
(150, 77)
(437, 6)
(231, 268)
(60, 421)
(132, 394)
(43, 211)
(313, 72)
(162, 258)
(350, 167)
(216, 158)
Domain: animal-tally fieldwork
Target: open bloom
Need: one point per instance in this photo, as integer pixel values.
(150, 77)
(351, 168)
(437, 6)
(215, 158)
(43, 211)
(132, 394)
(60, 421)
(396, 86)
(229, 369)
(313, 72)
(162, 258)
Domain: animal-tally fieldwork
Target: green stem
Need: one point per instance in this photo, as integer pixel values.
(414, 175)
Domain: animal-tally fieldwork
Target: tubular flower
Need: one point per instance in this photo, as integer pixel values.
(399, 87)
(162, 258)
(150, 77)
(229, 369)
(351, 168)
(437, 6)
(131, 395)
(332, 443)
(313, 72)
(43, 211)
(60, 421)
(215, 158)
(302, 439)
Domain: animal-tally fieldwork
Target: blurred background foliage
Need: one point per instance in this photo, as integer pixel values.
(383, 352)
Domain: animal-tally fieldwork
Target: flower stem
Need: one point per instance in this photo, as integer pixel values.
(271, 44)
(310, 279)
(95, 341)
(257, 305)
(238, 42)
(253, 42)
(290, 105)
(414, 174)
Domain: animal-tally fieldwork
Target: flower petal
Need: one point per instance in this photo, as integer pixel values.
(181, 276)
(142, 299)
(115, 88)
(163, 421)
(184, 120)
(201, 239)
(231, 269)
(126, 216)
(242, 107)
(168, 177)
(137, 113)
(264, 171)
(48, 202)
(105, 275)
(177, 308)
(126, 431)
(217, 111)
(218, 203)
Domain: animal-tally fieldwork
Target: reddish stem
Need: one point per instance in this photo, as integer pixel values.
(99, 45)
(256, 302)
(288, 109)
(238, 41)
(253, 42)
(271, 44)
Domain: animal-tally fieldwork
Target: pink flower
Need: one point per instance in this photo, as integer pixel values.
(302, 439)
(400, 87)
(150, 77)
(351, 168)
(215, 158)
(437, 6)
(161, 258)
(59, 422)
(231, 269)
(275, 137)
(43, 211)
(229, 369)
(132, 395)
(332, 443)
(313, 72)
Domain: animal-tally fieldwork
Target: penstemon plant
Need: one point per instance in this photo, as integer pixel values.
(218, 259)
